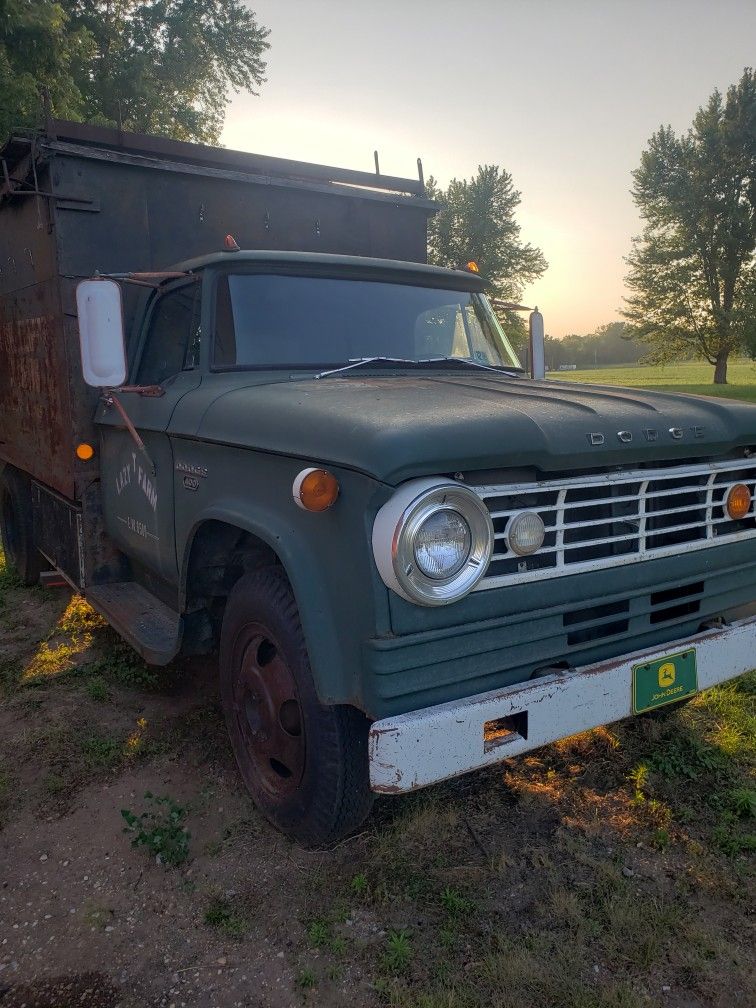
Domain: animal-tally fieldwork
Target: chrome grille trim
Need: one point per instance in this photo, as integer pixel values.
(613, 519)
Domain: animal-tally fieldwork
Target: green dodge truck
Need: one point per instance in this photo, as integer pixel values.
(322, 460)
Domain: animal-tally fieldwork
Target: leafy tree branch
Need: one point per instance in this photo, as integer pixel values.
(692, 271)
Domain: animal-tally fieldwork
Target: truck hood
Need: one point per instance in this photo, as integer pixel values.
(394, 427)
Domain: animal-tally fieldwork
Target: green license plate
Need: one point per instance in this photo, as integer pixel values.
(664, 681)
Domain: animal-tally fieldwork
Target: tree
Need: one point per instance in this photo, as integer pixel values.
(153, 66)
(37, 49)
(693, 270)
(477, 222)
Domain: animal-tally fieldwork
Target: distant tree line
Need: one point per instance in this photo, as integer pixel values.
(610, 344)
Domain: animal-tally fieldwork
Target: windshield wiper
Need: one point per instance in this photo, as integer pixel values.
(362, 361)
(511, 371)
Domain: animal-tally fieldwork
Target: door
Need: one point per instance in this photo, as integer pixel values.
(137, 485)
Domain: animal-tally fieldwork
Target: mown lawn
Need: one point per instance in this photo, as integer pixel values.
(690, 378)
(612, 870)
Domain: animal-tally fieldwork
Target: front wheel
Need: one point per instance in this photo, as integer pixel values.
(304, 763)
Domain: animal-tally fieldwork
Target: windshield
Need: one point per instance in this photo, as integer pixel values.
(269, 321)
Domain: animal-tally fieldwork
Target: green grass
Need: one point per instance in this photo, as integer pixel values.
(222, 914)
(690, 378)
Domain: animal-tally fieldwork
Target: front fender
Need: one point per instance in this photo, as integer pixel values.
(341, 599)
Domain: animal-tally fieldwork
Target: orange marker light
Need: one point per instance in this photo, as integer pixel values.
(230, 244)
(739, 502)
(315, 489)
(85, 451)
(473, 266)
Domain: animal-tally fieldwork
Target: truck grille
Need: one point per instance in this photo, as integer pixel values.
(617, 518)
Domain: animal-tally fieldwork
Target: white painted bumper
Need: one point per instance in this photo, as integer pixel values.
(412, 750)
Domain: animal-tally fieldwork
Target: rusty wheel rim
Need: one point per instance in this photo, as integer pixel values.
(269, 715)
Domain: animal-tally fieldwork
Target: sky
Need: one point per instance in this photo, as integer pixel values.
(564, 94)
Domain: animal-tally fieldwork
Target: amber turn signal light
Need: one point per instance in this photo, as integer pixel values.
(84, 451)
(473, 267)
(315, 489)
(739, 502)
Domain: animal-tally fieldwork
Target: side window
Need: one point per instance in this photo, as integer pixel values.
(172, 342)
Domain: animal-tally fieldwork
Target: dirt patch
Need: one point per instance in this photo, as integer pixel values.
(89, 990)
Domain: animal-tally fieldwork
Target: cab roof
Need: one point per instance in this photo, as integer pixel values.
(319, 263)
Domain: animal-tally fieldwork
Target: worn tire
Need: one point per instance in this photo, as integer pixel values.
(17, 530)
(309, 774)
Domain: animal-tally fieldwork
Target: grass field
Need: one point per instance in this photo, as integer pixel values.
(612, 870)
(694, 379)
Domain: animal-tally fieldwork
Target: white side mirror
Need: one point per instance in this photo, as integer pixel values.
(103, 352)
(537, 345)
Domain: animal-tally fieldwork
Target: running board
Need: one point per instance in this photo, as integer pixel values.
(149, 625)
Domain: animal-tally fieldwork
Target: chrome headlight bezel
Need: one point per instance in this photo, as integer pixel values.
(397, 524)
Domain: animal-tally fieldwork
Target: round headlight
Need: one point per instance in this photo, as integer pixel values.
(432, 542)
(442, 544)
(525, 533)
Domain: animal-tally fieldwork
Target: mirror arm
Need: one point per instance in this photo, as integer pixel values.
(154, 391)
(111, 399)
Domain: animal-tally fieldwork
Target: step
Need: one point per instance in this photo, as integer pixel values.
(149, 625)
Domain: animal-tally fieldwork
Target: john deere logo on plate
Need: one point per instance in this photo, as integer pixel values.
(667, 674)
(664, 680)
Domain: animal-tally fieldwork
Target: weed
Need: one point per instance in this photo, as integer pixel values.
(160, 829)
(340, 912)
(743, 801)
(684, 756)
(222, 915)
(398, 954)
(102, 752)
(455, 904)
(136, 744)
(319, 933)
(54, 784)
(639, 779)
(448, 935)
(338, 946)
(359, 884)
(97, 689)
(730, 838)
(661, 839)
(8, 577)
(306, 979)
